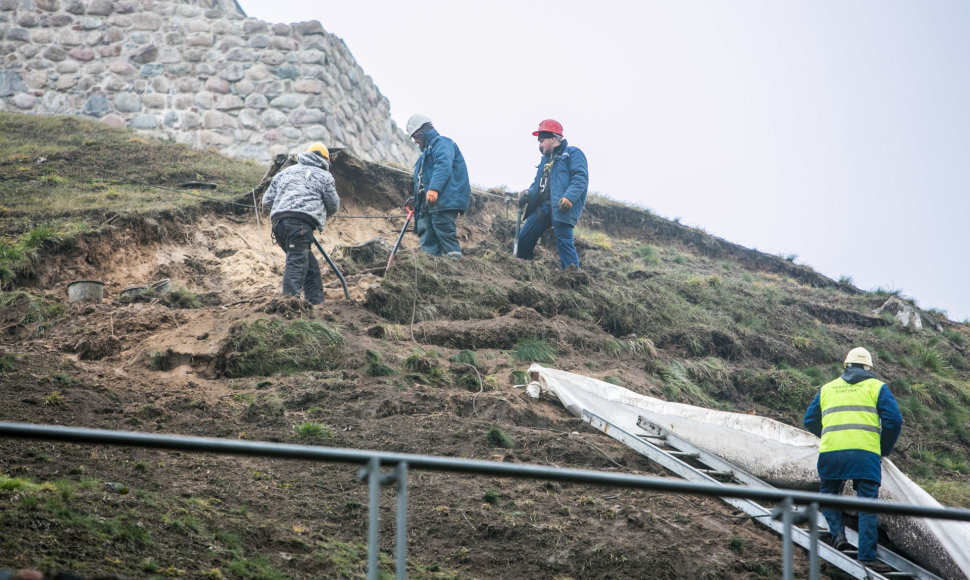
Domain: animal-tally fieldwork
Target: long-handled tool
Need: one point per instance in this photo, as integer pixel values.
(336, 270)
(397, 244)
(518, 224)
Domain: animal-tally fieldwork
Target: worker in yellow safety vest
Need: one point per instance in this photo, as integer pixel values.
(858, 420)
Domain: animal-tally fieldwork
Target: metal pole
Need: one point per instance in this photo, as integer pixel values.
(401, 474)
(397, 244)
(336, 270)
(373, 474)
(813, 565)
(787, 516)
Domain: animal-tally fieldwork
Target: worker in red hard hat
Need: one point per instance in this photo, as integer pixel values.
(556, 197)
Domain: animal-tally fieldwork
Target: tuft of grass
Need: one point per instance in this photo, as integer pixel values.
(8, 363)
(491, 497)
(313, 430)
(498, 438)
(737, 544)
(375, 367)
(465, 357)
(534, 350)
(648, 254)
(181, 297)
(266, 347)
(597, 239)
(931, 359)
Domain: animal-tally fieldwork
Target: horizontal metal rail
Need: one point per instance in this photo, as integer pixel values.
(433, 463)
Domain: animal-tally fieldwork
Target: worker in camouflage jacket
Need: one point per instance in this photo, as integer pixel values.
(301, 197)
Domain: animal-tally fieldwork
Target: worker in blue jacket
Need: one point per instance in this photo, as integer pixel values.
(556, 197)
(441, 189)
(858, 420)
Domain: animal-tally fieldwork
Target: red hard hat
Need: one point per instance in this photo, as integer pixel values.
(548, 126)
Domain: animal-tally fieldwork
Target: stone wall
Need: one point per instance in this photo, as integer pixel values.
(198, 72)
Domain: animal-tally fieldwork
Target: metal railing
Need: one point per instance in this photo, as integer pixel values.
(373, 461)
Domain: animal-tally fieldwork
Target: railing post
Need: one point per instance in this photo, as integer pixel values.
(373, 474)
(401, 473)
(811, 513)
(786, 510)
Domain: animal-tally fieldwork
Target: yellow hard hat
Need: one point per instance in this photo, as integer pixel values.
(860, 356)
(319, 148)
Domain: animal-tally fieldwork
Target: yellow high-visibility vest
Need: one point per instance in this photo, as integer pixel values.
(850, 419)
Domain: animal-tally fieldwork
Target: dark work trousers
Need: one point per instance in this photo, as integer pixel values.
(302, 273)
(438, 234)
(538, 222)
(868, 522)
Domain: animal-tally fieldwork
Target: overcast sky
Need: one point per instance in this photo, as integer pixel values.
(837, 132)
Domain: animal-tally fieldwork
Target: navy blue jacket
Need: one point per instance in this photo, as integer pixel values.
(857, 463)
(569, 178)
(442, 168)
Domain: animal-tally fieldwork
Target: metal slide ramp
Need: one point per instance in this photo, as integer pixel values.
(694, 464)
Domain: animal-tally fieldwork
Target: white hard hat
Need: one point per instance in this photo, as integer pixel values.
(415, 123)
(860, 356)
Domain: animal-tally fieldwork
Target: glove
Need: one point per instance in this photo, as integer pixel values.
(431, 196)
(565, 204)
(523, 198)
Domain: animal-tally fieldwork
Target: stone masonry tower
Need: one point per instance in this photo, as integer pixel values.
(198, 72)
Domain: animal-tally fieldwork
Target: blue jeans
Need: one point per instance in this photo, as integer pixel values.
(868, 523)
(438, 234)
(538, 222)
(302, 273)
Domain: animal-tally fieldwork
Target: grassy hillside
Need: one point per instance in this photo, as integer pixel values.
(425, 361)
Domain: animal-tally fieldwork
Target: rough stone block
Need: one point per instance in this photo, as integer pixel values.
(259, 41)
(144, 54)
(233, 72)
(127, 102)
(146, 21)
(153, 100)
(310, 28)
(218, 120)
(229, 103)
(113, 120)
(60, 20)
(81, 54)
(151, 70)
(241, 55)
(24, 101)
(41, 35)
(256, 101)
(287, 101)
(144, 122)
(272, 118)
(11, 83)
(217, 85)
(101, 7)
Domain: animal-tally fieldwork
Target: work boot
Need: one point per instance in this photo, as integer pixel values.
(876, 566)
(840, 543)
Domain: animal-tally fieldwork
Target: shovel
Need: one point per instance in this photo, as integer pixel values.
(397, 244)
(336, 270)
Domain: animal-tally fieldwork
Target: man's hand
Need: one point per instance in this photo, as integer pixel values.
(565, 204)
(431, 196)
(523, 197)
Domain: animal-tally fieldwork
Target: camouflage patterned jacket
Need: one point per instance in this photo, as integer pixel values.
(305, 190)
